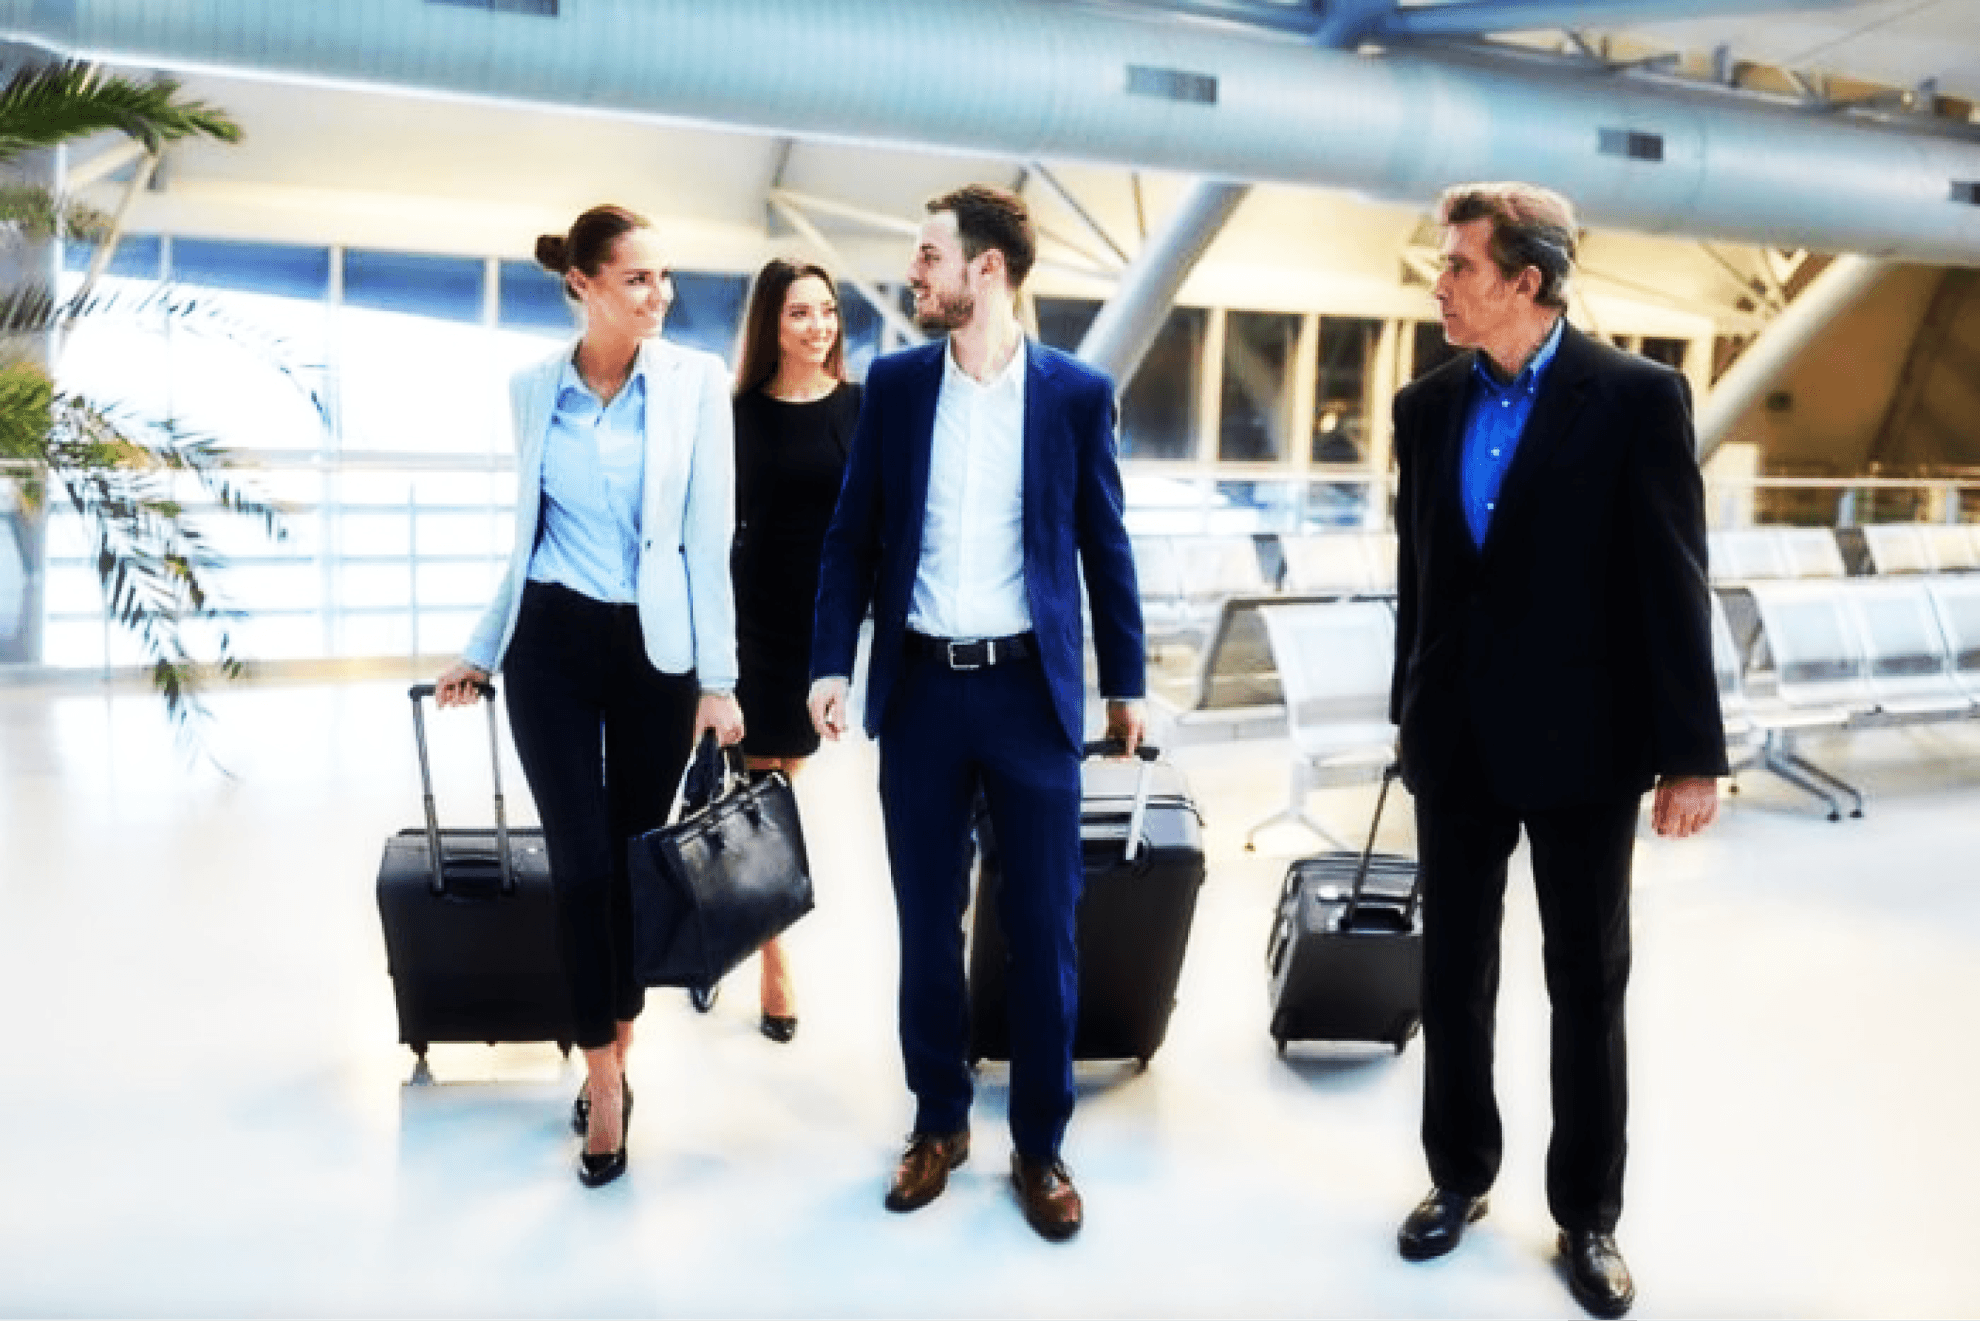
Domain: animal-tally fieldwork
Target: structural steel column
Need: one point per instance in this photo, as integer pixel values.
(1847, 279)
(1121, 335)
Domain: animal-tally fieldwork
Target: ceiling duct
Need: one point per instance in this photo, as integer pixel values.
(1034, 79)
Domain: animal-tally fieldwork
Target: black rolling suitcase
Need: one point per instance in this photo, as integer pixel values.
(471, 924)
(1143, 845)
(1346, 950)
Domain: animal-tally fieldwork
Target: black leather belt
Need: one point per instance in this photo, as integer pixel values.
(976, 654)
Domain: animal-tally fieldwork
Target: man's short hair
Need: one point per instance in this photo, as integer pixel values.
(1531, 226)
(989, 217)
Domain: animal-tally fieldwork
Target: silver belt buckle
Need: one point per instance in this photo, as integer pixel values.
(955, 664)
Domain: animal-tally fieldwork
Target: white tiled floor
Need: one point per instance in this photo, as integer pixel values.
(202, 1110)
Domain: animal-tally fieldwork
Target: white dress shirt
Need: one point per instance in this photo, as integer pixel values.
(969, 582)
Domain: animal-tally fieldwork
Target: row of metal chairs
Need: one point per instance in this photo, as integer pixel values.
(1822, 656)
(1842, 655)
(1185, 580)
(1761, 553)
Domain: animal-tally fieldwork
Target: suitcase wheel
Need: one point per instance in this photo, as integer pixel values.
(565, 1046)
(1280, 1042)
(418, 1049)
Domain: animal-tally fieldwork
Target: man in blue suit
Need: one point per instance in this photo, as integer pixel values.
(981, 484)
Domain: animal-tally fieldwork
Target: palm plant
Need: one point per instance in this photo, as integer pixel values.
(120, 471)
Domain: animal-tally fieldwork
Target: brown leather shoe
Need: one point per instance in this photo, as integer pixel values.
(1045, 1191)
(924, 1169)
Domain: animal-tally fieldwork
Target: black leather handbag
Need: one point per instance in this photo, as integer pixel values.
(731, 873)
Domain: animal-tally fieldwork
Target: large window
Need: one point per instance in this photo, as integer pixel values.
(1159, 408)
(1258, 405)
(375, 385)
(1343, 374)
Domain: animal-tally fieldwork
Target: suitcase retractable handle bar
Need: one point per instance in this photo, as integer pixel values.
(1389, 774)
(436, 881)
(1138, 811)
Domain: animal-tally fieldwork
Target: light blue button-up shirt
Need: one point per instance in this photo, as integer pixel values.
(593, 461)
(1492, 429)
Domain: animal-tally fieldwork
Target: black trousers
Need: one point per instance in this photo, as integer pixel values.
(603, 738)
(1581, 870)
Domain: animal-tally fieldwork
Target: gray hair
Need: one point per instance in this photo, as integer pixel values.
(1531, 226)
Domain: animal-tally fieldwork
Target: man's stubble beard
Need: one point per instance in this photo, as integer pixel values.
(950, 312)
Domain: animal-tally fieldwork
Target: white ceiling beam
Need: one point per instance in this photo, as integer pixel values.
(102, 165)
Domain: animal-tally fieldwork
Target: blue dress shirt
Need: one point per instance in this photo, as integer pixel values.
(1492, 426)
(593, 461)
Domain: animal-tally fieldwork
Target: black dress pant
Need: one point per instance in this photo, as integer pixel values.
(1581, 874)
(603, 738)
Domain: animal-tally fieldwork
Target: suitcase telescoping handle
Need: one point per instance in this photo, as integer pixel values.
(1138, 811)
(436, 881)
(1389, 774)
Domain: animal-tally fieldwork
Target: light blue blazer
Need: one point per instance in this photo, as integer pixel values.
(687, 610)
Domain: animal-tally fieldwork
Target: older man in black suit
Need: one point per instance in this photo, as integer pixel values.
(1553, 662)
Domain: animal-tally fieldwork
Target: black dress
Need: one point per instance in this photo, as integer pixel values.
(790, 461)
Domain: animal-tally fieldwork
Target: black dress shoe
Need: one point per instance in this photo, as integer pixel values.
(581, 1109)
(703, 999)
(780, 1028)
(1597, 1275)
(1437, 1223)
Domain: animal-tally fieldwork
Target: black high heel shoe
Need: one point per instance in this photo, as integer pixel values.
(703, 1000)
(780, 1028)
(597, 1171)
(581, 1109)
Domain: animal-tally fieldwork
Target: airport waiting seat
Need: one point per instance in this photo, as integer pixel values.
(1897, 548)
(1329, 562)
(1818, 679)
(1216, 567)
(1746, 554)
(1956, 600)
(1729, 666)
(1951, 547)
(1908, 666)
(1165, 614)
(1381, 556)
(1334, 660)
(1811, 552)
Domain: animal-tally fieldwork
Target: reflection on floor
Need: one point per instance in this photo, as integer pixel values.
(205, 1111)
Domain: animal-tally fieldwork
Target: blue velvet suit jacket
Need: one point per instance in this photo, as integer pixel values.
(1072, 525)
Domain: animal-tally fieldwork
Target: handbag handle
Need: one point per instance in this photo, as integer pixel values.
(711, 775)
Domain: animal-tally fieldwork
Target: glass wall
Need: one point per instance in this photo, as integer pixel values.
(1257, 401)
(1344, 367)
(368, 390)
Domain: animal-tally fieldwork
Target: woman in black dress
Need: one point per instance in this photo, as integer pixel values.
(794, 416)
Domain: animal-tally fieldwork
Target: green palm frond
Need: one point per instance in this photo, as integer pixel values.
(152, 560)
(40, 107)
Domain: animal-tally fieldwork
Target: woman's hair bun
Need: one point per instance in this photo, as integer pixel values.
(552, 254)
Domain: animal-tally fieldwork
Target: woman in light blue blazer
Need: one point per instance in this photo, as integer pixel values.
(614, 626)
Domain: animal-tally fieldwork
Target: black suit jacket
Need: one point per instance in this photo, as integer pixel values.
(1576, 645)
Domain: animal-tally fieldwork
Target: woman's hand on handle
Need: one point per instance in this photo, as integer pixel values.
(459, 685)
(719, 712)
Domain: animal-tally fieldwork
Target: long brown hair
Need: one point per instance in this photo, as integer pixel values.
(766, 311)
